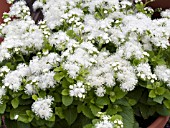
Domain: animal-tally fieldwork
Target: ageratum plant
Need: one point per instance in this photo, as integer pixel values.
(88, 64)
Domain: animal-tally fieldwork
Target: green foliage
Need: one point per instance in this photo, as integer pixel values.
(15, 102)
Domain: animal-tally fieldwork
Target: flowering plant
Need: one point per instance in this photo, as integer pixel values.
(89, 63)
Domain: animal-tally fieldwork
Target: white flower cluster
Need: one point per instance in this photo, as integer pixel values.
(144, 72)
(13, 79)
(77, 90)
(19, 9)
(37, 74)
(163, 73)
(105, 122)
(106, 68)
(59, 40)
(20, 36)
(37, 5)
(42, 107)
(51, 6)
(79, 57)
(4, 70)
(166, 13)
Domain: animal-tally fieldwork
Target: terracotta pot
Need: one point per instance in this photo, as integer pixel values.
(165, 4)
(4, 7)
(160, 122)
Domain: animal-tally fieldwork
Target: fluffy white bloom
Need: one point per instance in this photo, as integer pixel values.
(77, 90)
(27, 38)
(59, 40)
(13, 79)
(166, 13)
(144, 72)
(2, 92)
(101, 73)
(131, 49)
(4, 69)
(37, 5)
(39, 65)
(105, 122)
(19, 9)
(30, 89)
(42, 107)
(82, 57)
(100, 91)
(46, 80)
(163, 73)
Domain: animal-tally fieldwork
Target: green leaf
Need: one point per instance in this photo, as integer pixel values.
(34, 97)
(25, 96)
(162, 110)
(152, 94)
(87, 112)
(57, 97)
(71, 33)
(70, 80)
(22, 125)
(158, 99)
(149, 86)
(59, 112)
(144, 111)
(128, 117)
(102, 101)
(160, 90)
(65, 83)
(112, 98)
(167, 94)
(132, 102)
(42, 94)
(22, 115)
(65, 92)
(119, 93)
(167, 103)
(21, 110)
(94, 109)
(59, 76)
(57, 69)
(52, 119)
(15, 102)
(2, 108)
(67, 100)
(111, 110)
(70, 115)
(89, 126)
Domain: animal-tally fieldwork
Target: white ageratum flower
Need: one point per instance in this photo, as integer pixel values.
(77, 90)
(37, 5)
(105, 122)
(4, 69)
(13, 79)
(166, 13)
(144, 72)
(100, 91)
(24, 40)
(163, 73)
(46, 80)
(42, 107)
(38, 65)
(30, 89)
(19, 9)
(80, 57)
(59, 40)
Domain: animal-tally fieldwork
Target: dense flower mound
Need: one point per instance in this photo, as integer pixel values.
(84, 58)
